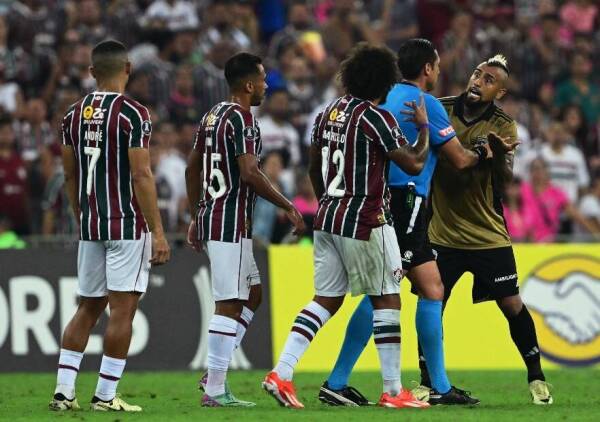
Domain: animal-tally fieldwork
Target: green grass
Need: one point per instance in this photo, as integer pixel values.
(172, 396)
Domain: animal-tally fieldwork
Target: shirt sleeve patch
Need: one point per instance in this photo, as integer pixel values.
(146, 127)
(446, 131)
(250, 133)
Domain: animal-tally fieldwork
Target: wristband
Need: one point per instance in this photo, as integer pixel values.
(481, 152)
(423, 126)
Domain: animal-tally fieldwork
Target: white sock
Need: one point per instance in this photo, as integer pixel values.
(243, 323)
(111, 370)
(305, 327)
(68, 368)
(221, 343)
(386, 333)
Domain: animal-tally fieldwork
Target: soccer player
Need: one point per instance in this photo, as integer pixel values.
(355, 245)
(467, 228)
(223, 178)
(111, 188)
(419, 64)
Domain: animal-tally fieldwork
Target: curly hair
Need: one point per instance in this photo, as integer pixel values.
(369, 72)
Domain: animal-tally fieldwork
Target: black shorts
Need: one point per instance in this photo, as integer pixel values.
(409, 212)
(494, 271)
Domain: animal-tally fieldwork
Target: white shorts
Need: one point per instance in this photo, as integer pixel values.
(372, 267)
(233, 269)
(113, 265)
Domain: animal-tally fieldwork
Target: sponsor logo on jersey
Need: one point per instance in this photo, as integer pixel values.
(505, 278)
(93, 115)
(337, 116)
(211, 119)
(88, 112)
(563, 295)
(447, 131)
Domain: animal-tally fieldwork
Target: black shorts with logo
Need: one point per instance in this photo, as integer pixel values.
(494, 271)
(409, 212)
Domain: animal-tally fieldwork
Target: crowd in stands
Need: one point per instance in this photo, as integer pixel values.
(178, 49)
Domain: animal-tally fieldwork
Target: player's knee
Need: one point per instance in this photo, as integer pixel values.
(332, 304)
(90, 310)
(255, 298)
(229, 308)
(510, 306)
(434, 291)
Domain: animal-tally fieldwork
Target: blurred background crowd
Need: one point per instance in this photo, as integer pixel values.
(178, 49)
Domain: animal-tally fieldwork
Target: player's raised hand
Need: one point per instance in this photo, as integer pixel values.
(192, 237)
(297, 220)
(161, 252)
(417, 113)
(499, 145)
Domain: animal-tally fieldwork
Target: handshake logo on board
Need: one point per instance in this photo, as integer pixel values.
(563, 295)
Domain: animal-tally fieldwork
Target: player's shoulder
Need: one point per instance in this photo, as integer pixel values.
(234, 111)
(133, 109)
(448, 101)
(502, 116)
(373, 112)
(432, 102)
(71, 109)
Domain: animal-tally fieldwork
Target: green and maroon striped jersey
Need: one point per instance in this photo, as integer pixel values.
(101, 128)
(354, 137)
(225, 212)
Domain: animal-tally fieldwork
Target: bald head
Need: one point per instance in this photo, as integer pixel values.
(109, 59)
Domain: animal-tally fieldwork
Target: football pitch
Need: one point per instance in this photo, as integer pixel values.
(172, 396)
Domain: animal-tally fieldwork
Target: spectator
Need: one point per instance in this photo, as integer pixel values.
(565, 162)
(58, 215)
(299, 21)
(11, 97)
(14, 203)
(245, 20)
(89, 22)
(221, 18)
(459, 53)
(579, 16)
(306, 202)
(579, 89)
(590, 207)
(265, 213)
(183, 104)
(160, 72)
(544, 203)
(345, 28)
(399, 21)
(209, 79)
(541, 58)
(173, 15)
(35, 132)
(170, 173)
(301, 86)
(277, 133)
(518, 222)
(587, 141)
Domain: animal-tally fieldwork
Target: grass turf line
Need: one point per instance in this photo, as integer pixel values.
(172, 396)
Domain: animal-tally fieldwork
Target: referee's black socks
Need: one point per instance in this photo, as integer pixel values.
(522, 331)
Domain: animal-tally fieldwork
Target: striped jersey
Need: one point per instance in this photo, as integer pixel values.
(354, 136)
(225, 212)
(101, 128)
